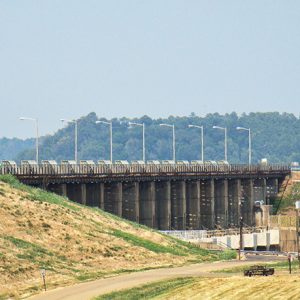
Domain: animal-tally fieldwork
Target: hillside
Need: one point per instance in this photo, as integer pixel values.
(74, 243)
(274, 136)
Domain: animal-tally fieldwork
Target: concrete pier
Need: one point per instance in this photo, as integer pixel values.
(94, 193)
(76, 192)
(234, 200)
(207, 204)
(178, 205)
(163, 204)
(221, 203)
(260, 190)
(193, 196)
(131, 204)
(147, 204)
(247, 201)
(113, 198)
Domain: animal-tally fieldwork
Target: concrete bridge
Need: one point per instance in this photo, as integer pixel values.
(166, 197)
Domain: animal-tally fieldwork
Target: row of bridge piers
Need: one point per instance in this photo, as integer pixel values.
(176, 204)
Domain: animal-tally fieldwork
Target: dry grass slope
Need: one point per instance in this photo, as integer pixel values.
(74, 243)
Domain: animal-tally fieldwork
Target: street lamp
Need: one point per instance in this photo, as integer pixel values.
(143, 128)
(173, 131)
(249, 136)
(225, 137)
(37, 135)
(110, 132)
(202, 140)
(76, 135)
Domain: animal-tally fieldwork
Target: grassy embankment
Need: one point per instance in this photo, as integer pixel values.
(75, 243)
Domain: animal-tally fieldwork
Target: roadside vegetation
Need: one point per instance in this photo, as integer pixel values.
(75, 243)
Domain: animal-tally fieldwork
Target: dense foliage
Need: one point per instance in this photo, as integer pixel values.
(274, 136)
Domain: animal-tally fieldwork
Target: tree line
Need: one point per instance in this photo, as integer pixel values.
(275, 136)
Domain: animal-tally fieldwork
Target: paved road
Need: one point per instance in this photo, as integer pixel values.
(88, 290)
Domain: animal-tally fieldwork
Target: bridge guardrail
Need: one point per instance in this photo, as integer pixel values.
(141, 169)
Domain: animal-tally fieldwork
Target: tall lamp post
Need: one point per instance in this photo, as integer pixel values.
(202, 139)
(225, 139)
(37, 136)
(76, 135)
(249, 137)
(173, 133)
(143, 128)
(110, 134)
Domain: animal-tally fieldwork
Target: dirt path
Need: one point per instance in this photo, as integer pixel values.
(88, 290)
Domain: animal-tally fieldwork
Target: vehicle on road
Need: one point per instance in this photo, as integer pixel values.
(259, 270)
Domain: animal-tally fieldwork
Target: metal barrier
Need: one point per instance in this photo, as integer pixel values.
(143, 169)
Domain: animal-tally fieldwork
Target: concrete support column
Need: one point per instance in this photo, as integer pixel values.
(147, 203)
(77, 192)
(59, 189)
(113, 198)
(130, 205)
(83, 193)
(101, 197)
(221, 203)
(193, 204)
(234, 199)
(247, 203)
(64, 190)
(178, 205)
(94, 194)
(272, 189)
(207, 204)
(260, 190)
(163, 204)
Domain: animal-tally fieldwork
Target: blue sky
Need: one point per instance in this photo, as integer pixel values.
(64, 59)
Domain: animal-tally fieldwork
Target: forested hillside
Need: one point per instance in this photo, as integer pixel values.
(274, 136)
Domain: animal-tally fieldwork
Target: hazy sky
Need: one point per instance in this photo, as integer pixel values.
(64, 59)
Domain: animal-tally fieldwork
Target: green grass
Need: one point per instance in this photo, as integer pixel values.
(148, 291)
(154, 247)
(36, 254)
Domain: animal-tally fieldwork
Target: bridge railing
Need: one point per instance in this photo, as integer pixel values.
(142, 169)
